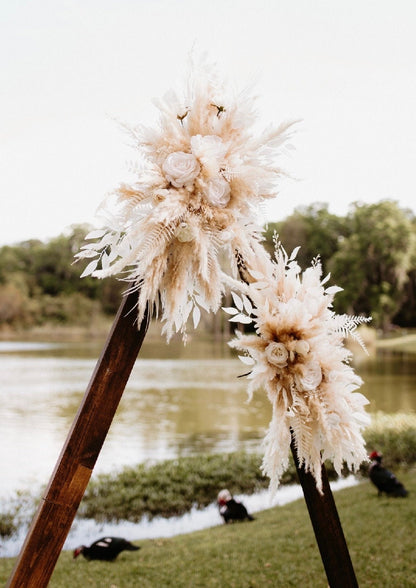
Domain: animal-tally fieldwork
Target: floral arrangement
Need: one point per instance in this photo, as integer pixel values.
(186, 229)
(297, 356)
(194, 202)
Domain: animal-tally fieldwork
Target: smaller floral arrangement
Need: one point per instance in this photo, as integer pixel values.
(297, 355)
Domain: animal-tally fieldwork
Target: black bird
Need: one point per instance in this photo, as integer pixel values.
(230, 509)
(383, 479)
(105, 549)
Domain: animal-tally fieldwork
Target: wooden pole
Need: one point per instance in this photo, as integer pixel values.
(73, 470)
(327, 528)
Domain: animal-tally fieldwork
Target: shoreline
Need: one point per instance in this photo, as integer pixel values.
(98, 331)
(85, 531)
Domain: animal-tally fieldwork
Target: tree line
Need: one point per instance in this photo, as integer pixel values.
(370, 253)
(39, 284)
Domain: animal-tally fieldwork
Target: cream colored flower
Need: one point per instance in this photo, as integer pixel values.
(218, 192)
(277, 354)
(301, 347)
(210, 150)
(181, 169)
(310, 376)
(185, 233)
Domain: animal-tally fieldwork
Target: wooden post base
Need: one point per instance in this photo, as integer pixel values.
(327, 528)
(69, 480)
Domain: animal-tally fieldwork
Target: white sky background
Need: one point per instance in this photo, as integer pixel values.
(67, 68)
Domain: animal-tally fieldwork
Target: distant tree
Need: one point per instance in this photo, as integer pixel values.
(372, 263)
(371, 253)
(314, 228)
(12, 305)
(17, 260)
(52, 264)
(42, 274)
(406, 316)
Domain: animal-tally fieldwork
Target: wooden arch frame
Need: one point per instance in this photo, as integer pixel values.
(58, 507)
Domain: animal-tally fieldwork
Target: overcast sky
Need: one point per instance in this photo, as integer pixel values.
(70, 68)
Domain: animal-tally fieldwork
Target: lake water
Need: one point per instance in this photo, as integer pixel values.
(178, 401)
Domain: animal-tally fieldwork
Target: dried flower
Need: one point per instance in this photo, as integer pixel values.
(218, 192)
(277, 354)
(195, 198)
(185, 233)
(298, 358)
(180, 169)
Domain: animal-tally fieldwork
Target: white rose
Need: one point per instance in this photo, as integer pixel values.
(180, 169)
(302, 347)
(210, 151)
(310, 378)
(218, 192)
(200, 144)
(277, 354)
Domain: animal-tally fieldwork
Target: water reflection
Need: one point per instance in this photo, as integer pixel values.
(178, 401)
(389, 381)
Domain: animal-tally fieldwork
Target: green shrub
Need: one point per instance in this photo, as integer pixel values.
(395, 437)
(15, 512)
(8, 525)
(173, 487)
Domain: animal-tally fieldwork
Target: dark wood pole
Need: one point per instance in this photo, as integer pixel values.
(69, 480)
(327, 527)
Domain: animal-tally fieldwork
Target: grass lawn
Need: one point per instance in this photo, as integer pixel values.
(277, 549)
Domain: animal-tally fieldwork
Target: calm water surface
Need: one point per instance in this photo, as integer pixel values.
(178, 401)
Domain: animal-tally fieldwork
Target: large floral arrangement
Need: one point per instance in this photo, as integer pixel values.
(195, 200)
(298, 357)
(186, 229)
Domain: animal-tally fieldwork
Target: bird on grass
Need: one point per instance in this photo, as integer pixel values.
(383, 479)
(230, 509)
(105, 549)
